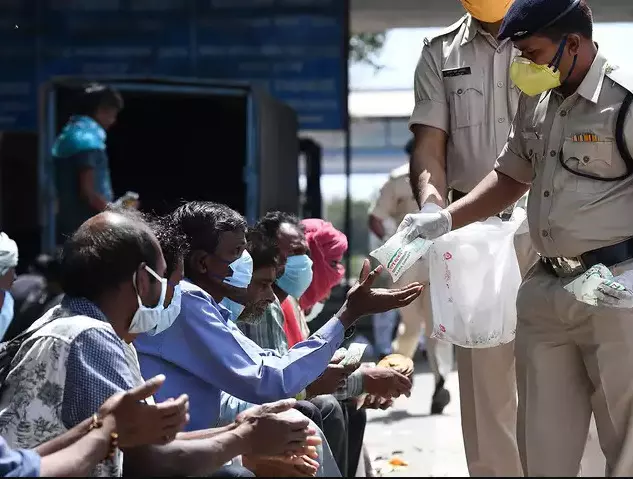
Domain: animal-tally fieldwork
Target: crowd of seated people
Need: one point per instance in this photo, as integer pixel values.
(183, 299)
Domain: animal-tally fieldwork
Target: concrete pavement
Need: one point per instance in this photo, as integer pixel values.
(432, 445)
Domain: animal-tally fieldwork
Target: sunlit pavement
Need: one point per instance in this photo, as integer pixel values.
(432, 445)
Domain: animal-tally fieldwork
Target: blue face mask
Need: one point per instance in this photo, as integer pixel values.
(6, 314)
(297, 277)
(242, 271)
(234, 308)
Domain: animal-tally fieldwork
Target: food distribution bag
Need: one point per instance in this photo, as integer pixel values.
(474, 280)
(397, 256)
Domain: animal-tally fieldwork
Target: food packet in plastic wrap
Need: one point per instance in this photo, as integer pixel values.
(396, 256)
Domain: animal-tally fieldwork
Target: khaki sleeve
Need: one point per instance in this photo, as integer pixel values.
(431, 107)
(513, 160)
(385, 205)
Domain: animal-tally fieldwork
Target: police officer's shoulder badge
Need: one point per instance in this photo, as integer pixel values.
(446, 31)
(620, 76)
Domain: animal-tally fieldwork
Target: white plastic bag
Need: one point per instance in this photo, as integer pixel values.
(475, 277)
(397, 257)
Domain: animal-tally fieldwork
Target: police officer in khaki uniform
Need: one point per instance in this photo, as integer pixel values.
(464, 105)
(395, 201)
(570, 141)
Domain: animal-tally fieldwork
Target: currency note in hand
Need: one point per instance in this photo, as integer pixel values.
(585, 286)
(354, 354)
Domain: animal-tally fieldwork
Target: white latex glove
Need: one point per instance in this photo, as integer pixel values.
(430, 223)
(618, 292)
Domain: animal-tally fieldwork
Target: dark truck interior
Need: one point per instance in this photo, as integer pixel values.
(168, 147)
(175, 147)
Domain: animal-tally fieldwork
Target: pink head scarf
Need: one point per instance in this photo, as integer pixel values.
(327, 247)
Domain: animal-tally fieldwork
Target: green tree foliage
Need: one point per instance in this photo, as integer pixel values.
(366, 47)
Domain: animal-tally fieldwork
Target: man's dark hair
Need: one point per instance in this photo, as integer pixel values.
(579, 21)
(202, 223)
(96, 96)
(269, 224)
(172, 241)
(263, 250)
(97, 258)
(48, 266)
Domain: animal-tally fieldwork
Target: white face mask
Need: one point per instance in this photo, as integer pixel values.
(6, 314)
(145, 319)
(316, 310)
(170, 313)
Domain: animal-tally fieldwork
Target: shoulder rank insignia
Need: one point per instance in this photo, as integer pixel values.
(585, 137)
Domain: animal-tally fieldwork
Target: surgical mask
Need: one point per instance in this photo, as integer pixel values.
(170, 313)
(234, 308)
(6, 314)
(297, 277)
(242, 271)
(145, 318)
(316, 310)
(488, 11)
(533, 79)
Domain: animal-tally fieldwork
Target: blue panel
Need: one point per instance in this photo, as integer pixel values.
(295, 49)
(18, 42)
(291, 48)
(116, 37)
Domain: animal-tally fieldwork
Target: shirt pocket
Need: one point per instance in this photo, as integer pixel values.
(466, 99)
(589, 158)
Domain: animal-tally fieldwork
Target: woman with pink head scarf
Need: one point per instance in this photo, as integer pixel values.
(327, 247)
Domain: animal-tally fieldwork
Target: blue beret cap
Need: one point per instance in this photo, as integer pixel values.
(526, 17)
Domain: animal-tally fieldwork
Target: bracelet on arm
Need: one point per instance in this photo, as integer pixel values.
(97, 423)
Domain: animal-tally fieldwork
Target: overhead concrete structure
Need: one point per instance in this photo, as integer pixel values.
(380, 15)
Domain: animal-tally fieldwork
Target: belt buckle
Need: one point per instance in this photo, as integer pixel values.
(567, 267)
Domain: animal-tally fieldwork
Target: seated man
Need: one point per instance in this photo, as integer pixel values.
(204, 353)
(283, 319)
(34, 293)
(174, 246)
(8, 263)
(77, 356)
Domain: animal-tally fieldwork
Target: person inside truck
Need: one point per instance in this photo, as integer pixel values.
(80, 161)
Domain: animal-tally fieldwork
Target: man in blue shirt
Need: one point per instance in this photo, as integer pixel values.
(204, 353)
(80, 161)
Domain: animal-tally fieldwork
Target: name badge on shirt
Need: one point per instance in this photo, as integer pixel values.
(456, 72)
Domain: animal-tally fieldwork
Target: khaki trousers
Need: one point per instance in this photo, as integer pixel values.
(572, 359)
(487, 381)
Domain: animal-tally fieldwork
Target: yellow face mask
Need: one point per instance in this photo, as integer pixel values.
(533, 79)
(488, 11)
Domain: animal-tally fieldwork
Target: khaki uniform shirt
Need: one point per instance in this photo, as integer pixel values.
(395, 199)
(462, 86)
(568, 214)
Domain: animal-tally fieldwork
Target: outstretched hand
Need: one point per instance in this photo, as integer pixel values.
(363, 300)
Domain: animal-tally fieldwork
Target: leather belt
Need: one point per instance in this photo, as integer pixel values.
(564, 267)
(458, 195)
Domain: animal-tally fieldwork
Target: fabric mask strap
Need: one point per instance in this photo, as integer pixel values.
(555, 63)
(163, 287)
